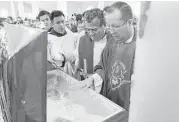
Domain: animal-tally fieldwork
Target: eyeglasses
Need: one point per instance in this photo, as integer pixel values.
(115, 27)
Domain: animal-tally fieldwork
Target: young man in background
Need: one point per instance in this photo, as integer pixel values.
(44, 16)
(62, 49)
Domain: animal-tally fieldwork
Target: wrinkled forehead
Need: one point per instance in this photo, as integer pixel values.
(114, 17)
(44, 17)
(95, 23)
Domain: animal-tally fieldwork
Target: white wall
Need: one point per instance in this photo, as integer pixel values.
(5, 9)
(72, 6)
(155, 89)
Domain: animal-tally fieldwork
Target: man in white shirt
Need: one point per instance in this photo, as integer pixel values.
(62, 50)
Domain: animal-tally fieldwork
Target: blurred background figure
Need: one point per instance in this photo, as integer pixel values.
(74, 16)
(19, 20)
(79, 22)
(79, 34)
(10, 20)
(73, 26)
(67, 24)
(80, 26)
(27, 22)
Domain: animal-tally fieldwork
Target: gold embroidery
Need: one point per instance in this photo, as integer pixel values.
(118, 71)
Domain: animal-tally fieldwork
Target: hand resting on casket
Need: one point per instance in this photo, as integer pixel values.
(71, 58)
(87, 83)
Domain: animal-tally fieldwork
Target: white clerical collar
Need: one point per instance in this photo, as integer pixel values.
(130, 39)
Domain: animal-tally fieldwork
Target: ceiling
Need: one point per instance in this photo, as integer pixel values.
(45, 5)
(79, 6)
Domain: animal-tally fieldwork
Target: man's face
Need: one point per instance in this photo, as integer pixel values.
(119, 29)
(59, 24)
(80, 27)
(94, 30)
(46, 20)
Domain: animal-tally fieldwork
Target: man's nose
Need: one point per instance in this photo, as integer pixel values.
(45, 21)
(61, 24)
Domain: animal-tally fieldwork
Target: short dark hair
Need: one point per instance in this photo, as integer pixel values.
(56, 13)
(78, 17)
(42, 13)
(124, 8)
(95, 13)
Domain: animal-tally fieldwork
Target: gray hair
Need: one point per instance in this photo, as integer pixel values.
(95, 13)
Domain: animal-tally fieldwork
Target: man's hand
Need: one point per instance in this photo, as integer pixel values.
(72, 58)
(85, 75)
(87, 83)
(58, 59)
(88, 75)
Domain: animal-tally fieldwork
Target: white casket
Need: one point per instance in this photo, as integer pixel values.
(64, 105)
